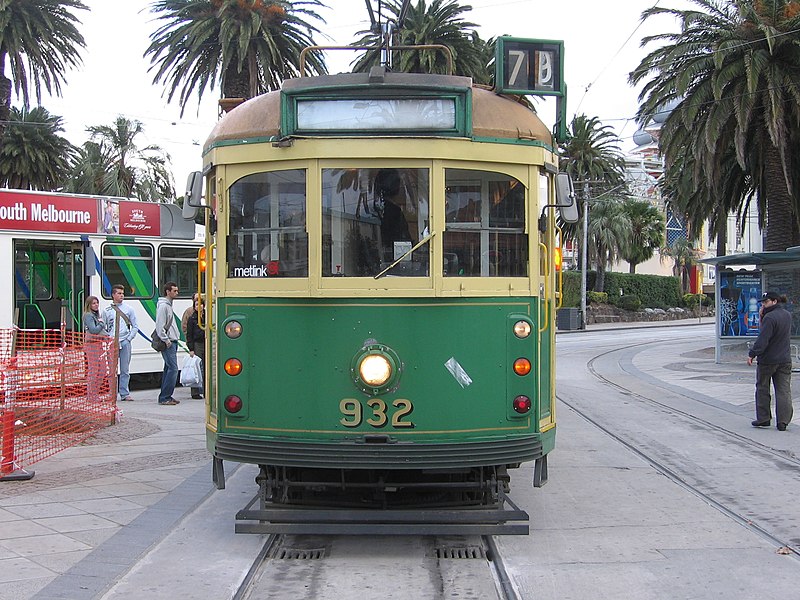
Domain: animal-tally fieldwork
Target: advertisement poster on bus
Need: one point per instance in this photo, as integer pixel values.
(740, 301)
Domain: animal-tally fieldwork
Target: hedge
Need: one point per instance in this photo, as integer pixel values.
(655, 291)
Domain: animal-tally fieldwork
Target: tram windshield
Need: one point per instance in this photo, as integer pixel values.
(372, 218)
(484, 225)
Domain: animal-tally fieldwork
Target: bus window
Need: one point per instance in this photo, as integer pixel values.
(484, 225)
(33, 273)
(371, 218)
(267, 230)
(178, 264)
(132, 266)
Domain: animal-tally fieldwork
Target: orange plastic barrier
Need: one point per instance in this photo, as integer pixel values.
(57, 388)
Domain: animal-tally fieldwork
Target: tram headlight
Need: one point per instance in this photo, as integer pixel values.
(375, 370)
(522, 329)
(233, 329)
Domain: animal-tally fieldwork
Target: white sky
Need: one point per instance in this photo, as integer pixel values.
(601, 42)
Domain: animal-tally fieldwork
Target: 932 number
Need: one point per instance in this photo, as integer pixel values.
(378, 413)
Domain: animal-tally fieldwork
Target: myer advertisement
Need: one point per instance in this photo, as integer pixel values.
(740, 298)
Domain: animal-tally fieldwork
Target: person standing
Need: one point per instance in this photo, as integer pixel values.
(120, 321)
(94, 329)
(188, 313)
(167, 330)
(772, 348)
(196, 341)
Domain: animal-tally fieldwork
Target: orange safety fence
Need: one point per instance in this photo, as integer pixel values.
(57, 388)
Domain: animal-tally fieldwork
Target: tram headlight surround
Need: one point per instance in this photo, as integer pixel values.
(376, 369)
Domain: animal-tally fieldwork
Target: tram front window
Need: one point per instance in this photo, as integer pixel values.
(484, 225)
(267, 229)
(372, 218)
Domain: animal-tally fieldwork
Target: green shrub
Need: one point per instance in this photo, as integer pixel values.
(691, 301)
(598, 297)
(630, 302)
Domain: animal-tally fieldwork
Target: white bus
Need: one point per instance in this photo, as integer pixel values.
(56, 249)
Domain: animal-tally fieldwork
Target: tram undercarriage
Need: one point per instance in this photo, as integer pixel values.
(470, 501)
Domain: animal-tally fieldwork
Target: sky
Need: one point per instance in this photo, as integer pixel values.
(601, 46)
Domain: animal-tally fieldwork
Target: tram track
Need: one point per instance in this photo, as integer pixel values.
(671, 472)
(440, 556)
(780, 454)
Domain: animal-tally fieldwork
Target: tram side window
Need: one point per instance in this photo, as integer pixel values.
(178, 264)
(267, 226)
(132, 266)
(373, 217)
(484, 225)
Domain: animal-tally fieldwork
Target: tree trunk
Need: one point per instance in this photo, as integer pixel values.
(722, 238)
(236, 84)
(632, 268)
(781, 230)
(5, 98)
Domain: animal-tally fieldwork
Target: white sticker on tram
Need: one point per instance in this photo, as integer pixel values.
(458, 372)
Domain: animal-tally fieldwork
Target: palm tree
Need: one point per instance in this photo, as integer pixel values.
(683, 255)
(735, 68)
(88, 170)
(610, 232)
(246, 46)
(441, 23)
(591, 155)
(113, 162)
(39, 40)
(33, 156)
(647, 231)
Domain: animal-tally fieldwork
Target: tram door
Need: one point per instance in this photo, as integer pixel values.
(48, 276)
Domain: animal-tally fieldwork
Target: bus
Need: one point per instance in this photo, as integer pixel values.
(61, 248)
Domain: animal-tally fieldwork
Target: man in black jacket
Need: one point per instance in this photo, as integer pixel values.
(772, 348)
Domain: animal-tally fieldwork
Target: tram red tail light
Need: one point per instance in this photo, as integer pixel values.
(522, 366)
(233, 366)
(233, 404)
(522, 404)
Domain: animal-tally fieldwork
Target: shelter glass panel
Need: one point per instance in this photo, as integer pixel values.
(484, 225)
(267, 225)
(373, 218)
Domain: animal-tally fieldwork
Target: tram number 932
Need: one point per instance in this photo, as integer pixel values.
(377, 412)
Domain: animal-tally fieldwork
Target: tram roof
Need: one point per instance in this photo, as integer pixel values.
(493, 115)
(755, 258)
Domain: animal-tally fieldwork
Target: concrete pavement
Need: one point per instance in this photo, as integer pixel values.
(97, 518)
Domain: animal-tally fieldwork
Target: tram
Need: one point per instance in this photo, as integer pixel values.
(379, 299)
(61, 248)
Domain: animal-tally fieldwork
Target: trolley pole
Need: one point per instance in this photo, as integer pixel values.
(584, 245)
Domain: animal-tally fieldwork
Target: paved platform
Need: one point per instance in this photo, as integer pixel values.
(96, 518)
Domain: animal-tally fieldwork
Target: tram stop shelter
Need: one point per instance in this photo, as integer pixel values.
(740, 280)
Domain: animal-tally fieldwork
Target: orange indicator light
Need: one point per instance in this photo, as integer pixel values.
(233, 366)
(522, 366)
